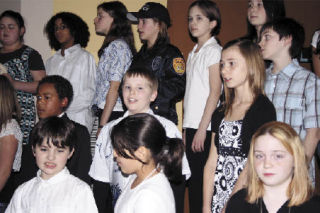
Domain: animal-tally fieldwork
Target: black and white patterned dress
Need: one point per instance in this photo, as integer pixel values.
(230, 163)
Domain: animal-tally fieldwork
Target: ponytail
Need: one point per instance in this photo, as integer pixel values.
(170, 158)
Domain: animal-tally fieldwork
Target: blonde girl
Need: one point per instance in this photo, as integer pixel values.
(278, 179)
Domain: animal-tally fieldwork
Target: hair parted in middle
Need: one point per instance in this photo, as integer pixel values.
(78, 29)
(251, 52)
(300, 189)
(211, 11)
(143, 129)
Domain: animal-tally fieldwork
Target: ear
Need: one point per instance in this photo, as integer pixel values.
(154, 95)
(142, 153)
(213, 24)
(64, 102)
(287, 41)
(71, 153)
(22, 31)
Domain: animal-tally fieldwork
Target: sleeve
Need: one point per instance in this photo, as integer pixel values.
(119, 56)
(265, 114)
(12, 128)
(85, 201)
(35, 61)
(172, 85)
(149, 201)
(315, 39)
(103, 156)
(80, 162)
(312, 105)
(213, 55)
(216, 119)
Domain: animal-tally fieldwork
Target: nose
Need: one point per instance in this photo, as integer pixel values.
(140, 24)
(267, 162)
(115, 154)
(261, 43)
(95, 20)
(51, 155)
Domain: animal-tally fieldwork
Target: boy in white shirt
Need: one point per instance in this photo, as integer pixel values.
(54, 189)
(139, 89)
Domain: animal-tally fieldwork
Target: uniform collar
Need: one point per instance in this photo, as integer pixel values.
(55, 179)
(126, 114)
(70, 50)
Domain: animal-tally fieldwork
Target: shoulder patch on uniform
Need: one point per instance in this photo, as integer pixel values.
(178, 65)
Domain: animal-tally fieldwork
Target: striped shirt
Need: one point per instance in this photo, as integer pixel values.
(295, 93)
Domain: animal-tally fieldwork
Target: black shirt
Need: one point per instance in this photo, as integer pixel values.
(238, 204)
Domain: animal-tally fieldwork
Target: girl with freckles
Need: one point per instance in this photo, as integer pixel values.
(245, 109)
(278, 178)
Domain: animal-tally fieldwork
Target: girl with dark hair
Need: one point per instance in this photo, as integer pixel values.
(142, 148)
(233, 123)
(68, 34)
(24, 66)
(160, 57)
(260, 12)
(115, 56)
(10, 141)
(202, 94)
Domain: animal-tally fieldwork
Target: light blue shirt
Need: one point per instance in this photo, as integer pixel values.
(113, 64)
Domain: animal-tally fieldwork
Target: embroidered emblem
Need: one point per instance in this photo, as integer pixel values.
(179, 65)
(156, 63)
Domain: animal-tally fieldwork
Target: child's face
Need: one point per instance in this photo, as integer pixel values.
(127, 165)
(51, 159)
(102, 22)
(48, 102)
(137, 94)
(256, 13)
(272, 162)
(271, 45)
(148, 29)
(199, 25)
(62, 33)
(233, 68)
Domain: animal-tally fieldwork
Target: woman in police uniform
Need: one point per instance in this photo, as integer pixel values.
(167, 63)
(160, 57)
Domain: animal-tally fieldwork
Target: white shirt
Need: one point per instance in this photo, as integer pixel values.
(63, 193)
(13, 128)
(151, 195)
(315, 39)
(78, 66)
(197, 82)
(105, 169)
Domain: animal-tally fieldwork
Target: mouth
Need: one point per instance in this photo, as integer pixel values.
(50, 165)
(268, 174)
(132, 100)
(227, 79)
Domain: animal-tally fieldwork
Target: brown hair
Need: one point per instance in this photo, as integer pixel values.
(256, 70)
(9, 107)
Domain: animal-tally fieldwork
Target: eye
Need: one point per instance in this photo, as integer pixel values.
(127, 87)
(190, 19)
(47, 97)
(221, 65)
(1, 27)
(258, 156)
(279, 156)
(38, 98)
(250, 5)
(260, 4)
(61, 150)
(199, 18)
(232, 63)
(140, 88)
(43, 149)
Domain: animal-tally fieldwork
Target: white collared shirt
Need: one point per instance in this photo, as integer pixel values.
(79, 67)
(63, 193)
(197, 82)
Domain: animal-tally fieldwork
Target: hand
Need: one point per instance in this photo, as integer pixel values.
(198, 141)
(98, 132)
